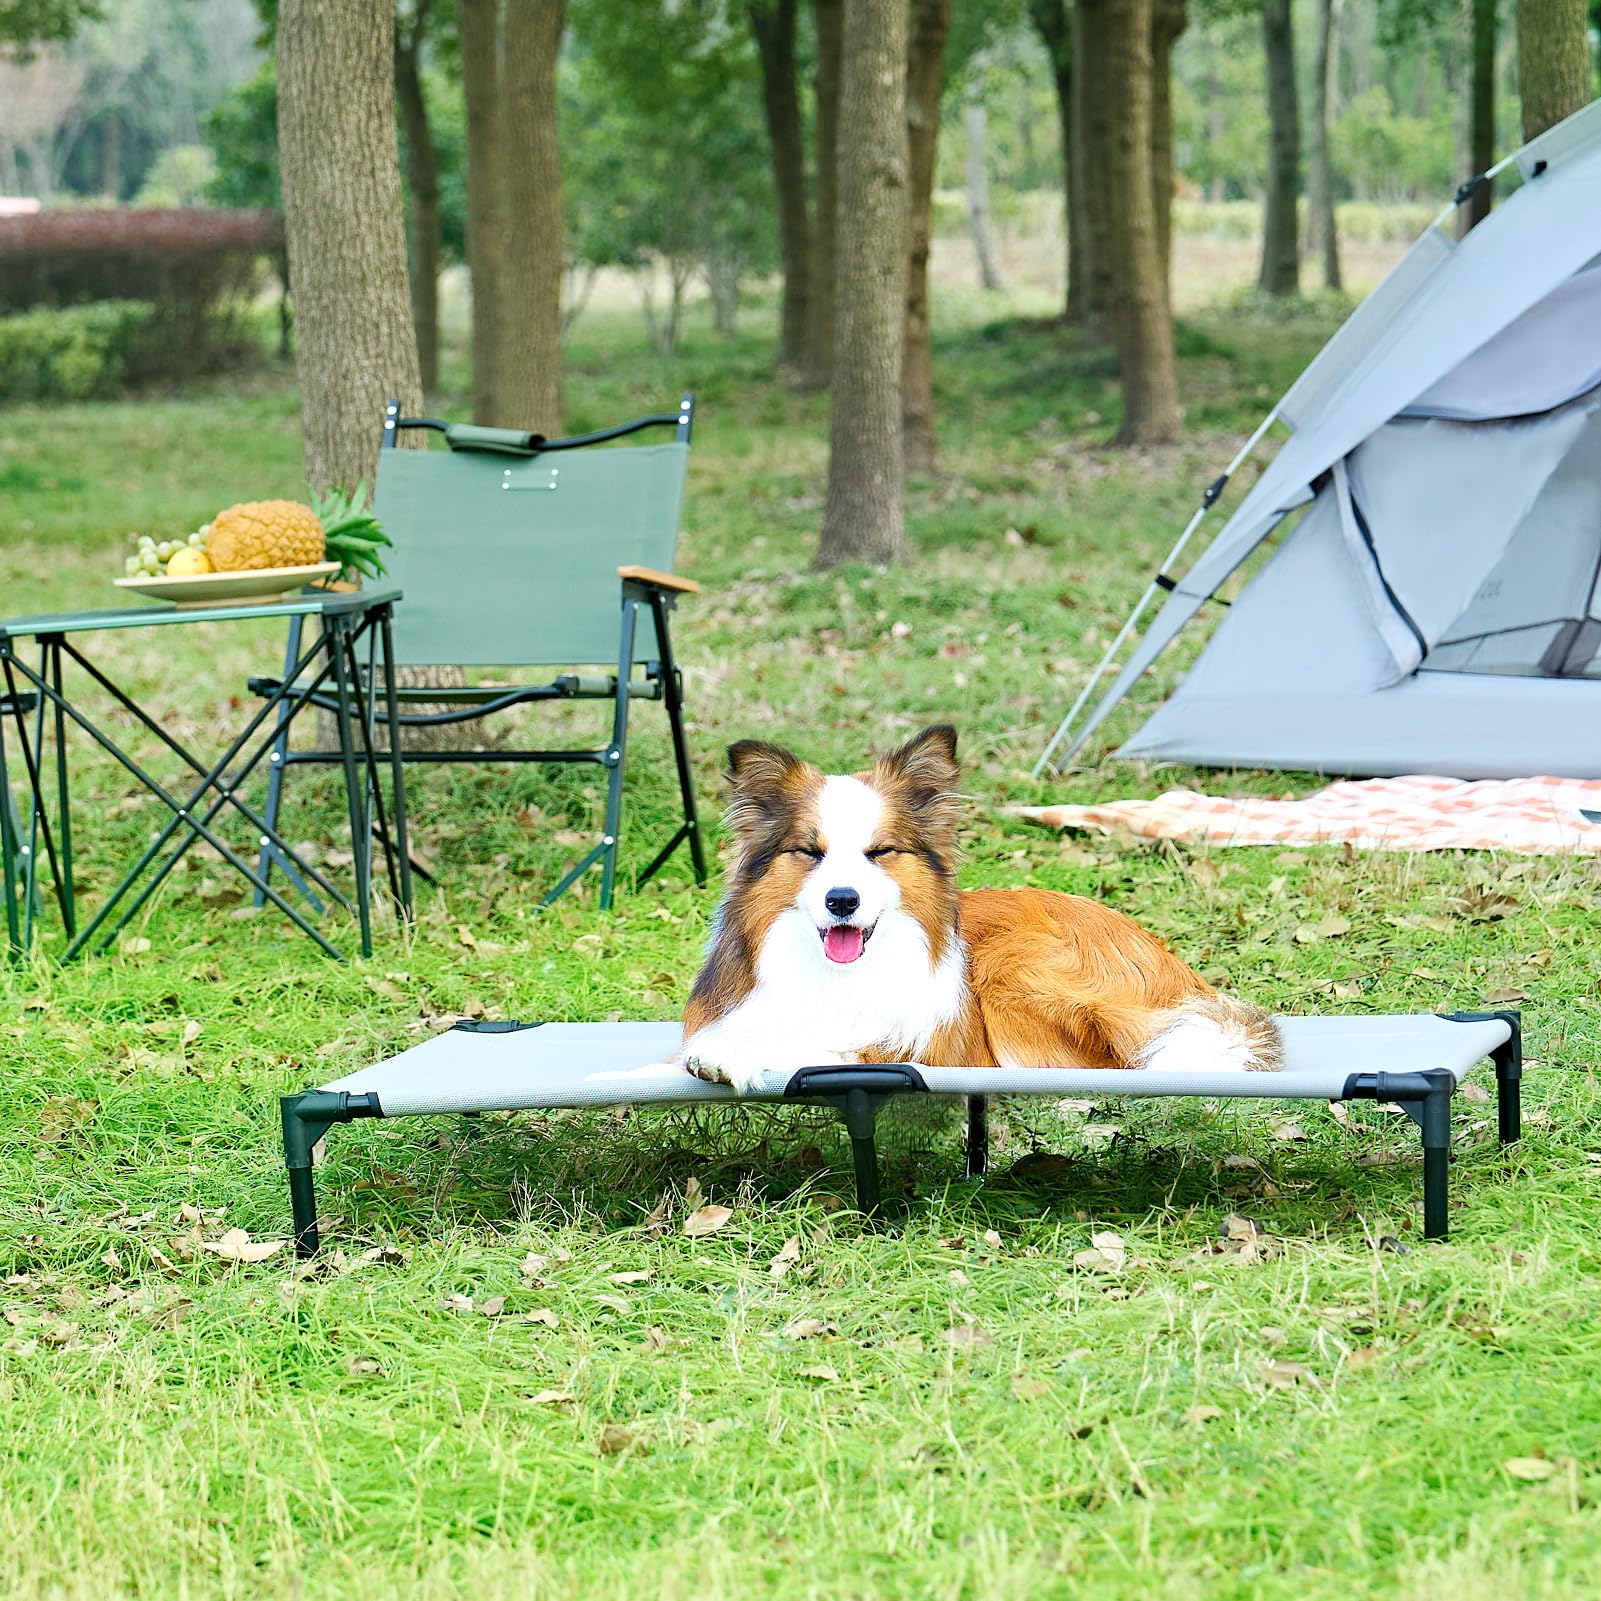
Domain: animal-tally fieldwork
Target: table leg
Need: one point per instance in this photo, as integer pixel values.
(397, 765)
(334, 635)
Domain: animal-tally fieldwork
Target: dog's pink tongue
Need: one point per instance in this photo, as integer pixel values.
(842, 943)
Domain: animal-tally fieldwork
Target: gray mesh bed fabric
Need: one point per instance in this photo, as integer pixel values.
(604, 1064)
(1414, 1062)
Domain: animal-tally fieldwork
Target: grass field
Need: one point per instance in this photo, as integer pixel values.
(513, 1373)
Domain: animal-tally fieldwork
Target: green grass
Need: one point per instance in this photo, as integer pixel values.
(1330, 1419)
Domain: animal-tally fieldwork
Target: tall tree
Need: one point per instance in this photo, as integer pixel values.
(1094, 128)
(976, 197)
(864, 516)
(1281, 267)
(1169, 18)
(479, 28)
(828, 15)
(1322, 238)
(422, 179)
(1481, 120)
(1554, 74)
(1053, 22)
(340, 172)
(1113, 44)
(529, 378)
(773, 23)
(928, 28)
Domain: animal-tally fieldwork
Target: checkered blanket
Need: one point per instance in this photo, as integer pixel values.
(1527, 816)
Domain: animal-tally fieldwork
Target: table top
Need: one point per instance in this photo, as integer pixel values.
(153, 615)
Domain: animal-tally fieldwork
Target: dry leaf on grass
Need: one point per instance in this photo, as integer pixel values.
(959, 1278)
(365, 1364)
(631, 1278)
(1505, 997)
(617, 1303)
(542, 1314)
(968, 1336)
(615, 1439)
(237, 1246)
(1531, 1469)
(552, 1398)
(493, 1307)
(822, 1371)
(992, 1239)
(788, 1256)
(1202, 1414)
(1289, 1375)
(1286, 1129)
(458, 1303)
(1476, 1093)
(810, 1328)
(706, 1220)
(1107, 1253)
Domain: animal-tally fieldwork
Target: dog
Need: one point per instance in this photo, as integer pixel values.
(842, 937)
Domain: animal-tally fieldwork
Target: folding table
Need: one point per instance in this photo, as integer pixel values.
(1411, 1061)
(351, 627)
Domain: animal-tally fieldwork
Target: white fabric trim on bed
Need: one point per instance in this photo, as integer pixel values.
(604, 1064)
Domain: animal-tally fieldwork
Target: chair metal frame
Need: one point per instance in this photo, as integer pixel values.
(640, 589)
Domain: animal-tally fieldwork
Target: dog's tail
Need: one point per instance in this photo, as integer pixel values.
(1212, 1032)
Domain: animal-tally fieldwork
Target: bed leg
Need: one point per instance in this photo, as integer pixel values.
(306, 1118)
(860, 1114)
(1435, 1123)
(978, 1136)
(1508, 1061)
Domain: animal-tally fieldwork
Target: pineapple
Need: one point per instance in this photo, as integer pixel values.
(265, 533)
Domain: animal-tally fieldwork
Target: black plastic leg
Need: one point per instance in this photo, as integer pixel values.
(860, 1112)
(1436, 1125)
(1509, 1088)
(306, 1118)
(978, 1136)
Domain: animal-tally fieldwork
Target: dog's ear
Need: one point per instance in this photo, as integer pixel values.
(926, 764)
(763, 778)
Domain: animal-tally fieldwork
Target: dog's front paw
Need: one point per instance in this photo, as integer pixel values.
(739, 1079)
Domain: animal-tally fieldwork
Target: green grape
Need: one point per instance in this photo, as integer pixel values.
(133, 566)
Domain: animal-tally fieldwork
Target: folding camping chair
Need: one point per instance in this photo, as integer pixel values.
(513, 550)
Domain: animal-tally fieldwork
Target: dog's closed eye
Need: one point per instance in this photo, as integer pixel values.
(883, 850)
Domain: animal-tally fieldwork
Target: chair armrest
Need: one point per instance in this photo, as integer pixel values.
(510, 441)
(658, 580)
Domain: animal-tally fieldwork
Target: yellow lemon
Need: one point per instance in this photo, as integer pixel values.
(186, 563)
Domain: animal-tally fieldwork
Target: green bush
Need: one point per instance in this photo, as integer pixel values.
(74, 353)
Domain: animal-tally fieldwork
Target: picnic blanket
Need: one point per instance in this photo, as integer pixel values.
(1527, 816)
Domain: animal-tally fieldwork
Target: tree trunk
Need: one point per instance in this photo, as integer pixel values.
(1481, 127)
(1054, 25)
(479, 22)
(773, 23)
(529, 378)
(928, 27)
(1281, 268)
(354, 344)
(1169, 19)
(1094, 127)
(422, 178)
(1138, 313)
(1554, 78)
(975, 122)
(864, 518)
(1322, 237)
(829, 18)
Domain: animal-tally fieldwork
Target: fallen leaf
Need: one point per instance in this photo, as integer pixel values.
(692, 1194)
(237, 1246)
(1339, 1114)
(1202, 1414)
(1363, 1356)
(533, 1265)
(493, 1307)
(1082, 1108)
(615, 1439)
(552, 1398)
(992, 1239)
(1505, 997)
(57, 1334)
(706, 1220)
(788, 1256)
(1286, 1129)
(1531, 1469)
(631, 1278)
(365, 1364)
(1107, 1254)
(542, 1314)
(968, 1336)
(617, 1303)
(1333, 925)
(959, 1278)
(822, 1371)
(465, 935)
(656, 1338)
(1099, 1131)
(191, 1032)
(810, 1328)
(1475, 1093)
(458, 1303)
(1288, 1375)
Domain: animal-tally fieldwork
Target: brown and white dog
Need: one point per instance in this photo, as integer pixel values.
(842, 937)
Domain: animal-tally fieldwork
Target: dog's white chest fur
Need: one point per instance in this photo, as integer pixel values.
(806, 1011)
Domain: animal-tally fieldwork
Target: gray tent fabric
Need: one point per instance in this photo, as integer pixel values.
(1448, 439)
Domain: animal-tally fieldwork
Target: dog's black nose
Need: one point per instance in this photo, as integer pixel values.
(842, 902)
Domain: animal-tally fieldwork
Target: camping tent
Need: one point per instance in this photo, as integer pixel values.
(1436, 607)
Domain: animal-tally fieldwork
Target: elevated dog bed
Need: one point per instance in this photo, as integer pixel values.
(1414, 1062)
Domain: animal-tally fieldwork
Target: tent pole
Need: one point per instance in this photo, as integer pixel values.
(1214, 491)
